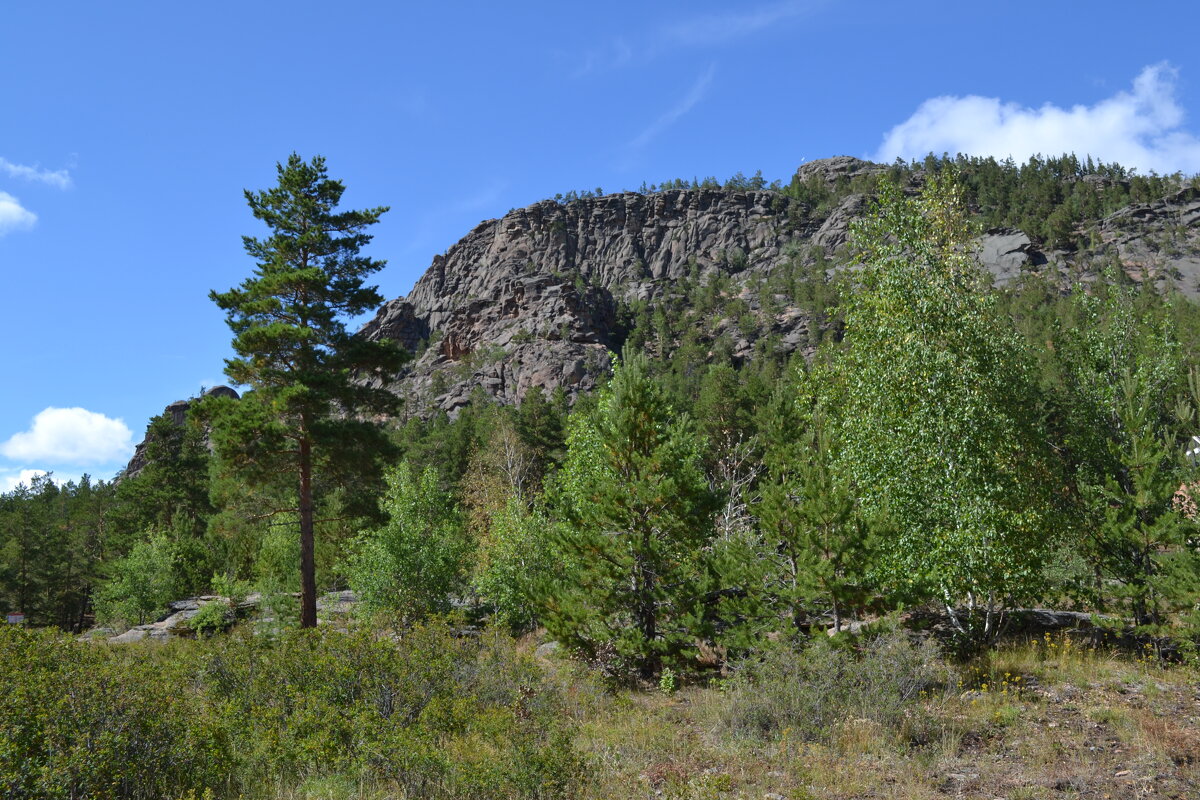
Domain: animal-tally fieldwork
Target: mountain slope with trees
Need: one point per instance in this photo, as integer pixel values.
(537, 297)
(934, 443)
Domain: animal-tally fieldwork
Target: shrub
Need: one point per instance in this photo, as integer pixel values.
(428, 715)
(83, 720)
(811, 689)
(211, 617)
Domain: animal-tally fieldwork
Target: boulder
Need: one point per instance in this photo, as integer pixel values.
(1006, 252)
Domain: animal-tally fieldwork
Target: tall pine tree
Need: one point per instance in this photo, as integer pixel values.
(306, 371)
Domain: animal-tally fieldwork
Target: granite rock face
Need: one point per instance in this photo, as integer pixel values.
(532, 299)
(535, 298)
(1159, 241)
(1006, 253)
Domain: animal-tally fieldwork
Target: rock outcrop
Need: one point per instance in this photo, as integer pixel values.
(534, 299)
(1159, 241)
(333, 608)
(1007, 252)
(177, 412)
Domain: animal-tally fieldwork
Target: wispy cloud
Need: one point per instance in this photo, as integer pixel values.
(14, 216)
(483, 200)
(451, 215)
(59, 179)
(694, 95)
(713, 29)
(414, 102)
(1141, 128)
(707, 30)
(611, 55)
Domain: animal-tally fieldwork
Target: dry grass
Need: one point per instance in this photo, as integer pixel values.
(1041, 719)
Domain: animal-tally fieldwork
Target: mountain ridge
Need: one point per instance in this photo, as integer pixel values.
(535, 298)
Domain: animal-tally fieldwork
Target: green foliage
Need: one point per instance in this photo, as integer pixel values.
(140, 585)
(515, 562)
(211, 617)
(81, 720)
(937, 411)
(1129, 412)
(416, 562)
(638, 515)
(819, 549)
(52, 542)
(541, 424)
(305, 412)
(170, 495)
(1047, 196)
(431, 715)
(1023, 445)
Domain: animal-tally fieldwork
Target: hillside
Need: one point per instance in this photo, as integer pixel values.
(539, 296)
(913, 520)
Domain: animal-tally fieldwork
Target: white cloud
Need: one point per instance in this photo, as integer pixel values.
(11, 480)
(14, 216)
(1141, 128)
(71, 436)
(60, 178)
(686, 104)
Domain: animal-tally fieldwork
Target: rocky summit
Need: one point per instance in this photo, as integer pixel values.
(536, 298)
(539, 297)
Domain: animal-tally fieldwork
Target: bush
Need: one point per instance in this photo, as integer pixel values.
(211, 617)
(811, 689)
(82, 720)
(429, 715)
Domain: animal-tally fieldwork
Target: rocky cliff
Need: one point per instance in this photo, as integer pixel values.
(176, 414)
(532, 299)
(535, 298)
(540, 296)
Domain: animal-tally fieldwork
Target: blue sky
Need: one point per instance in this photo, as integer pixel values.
(129, 130)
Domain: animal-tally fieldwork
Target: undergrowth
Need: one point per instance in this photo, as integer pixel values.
(436, 713)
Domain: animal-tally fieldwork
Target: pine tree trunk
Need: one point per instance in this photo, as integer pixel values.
(308, 576)
(647, 617)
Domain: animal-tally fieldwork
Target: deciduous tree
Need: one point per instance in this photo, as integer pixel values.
(939, 420)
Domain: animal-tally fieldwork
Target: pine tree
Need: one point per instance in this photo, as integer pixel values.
(819, 545)
(639, 515)
(1129, 412)
(309, 376)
